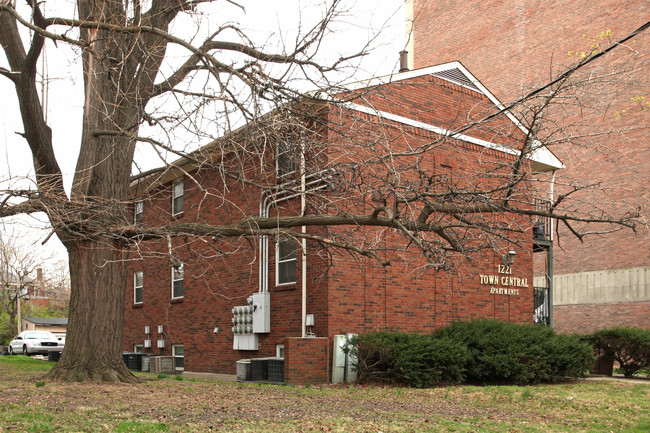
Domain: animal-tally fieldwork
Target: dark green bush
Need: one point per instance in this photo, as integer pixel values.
(628, 345)
(413, 359)
(479, 351)
(501, 352)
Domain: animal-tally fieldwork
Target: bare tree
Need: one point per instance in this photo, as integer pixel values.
(128, 75)
(57, 288)
(18, 266)
(50, 294)
(123, 46)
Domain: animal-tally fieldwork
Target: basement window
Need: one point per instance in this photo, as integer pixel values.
(177, 198)
(178, 351)
(286, 261)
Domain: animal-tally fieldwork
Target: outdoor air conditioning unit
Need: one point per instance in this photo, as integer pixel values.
(147, 343)
(161, 344)
(161, 364)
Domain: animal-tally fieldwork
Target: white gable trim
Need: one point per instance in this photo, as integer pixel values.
(540, 154)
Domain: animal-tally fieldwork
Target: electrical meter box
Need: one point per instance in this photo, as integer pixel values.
(261, 303)
(250, 320)
(242, 328)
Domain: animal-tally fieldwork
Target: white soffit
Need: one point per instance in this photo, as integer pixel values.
(455, 72)
(542, 158)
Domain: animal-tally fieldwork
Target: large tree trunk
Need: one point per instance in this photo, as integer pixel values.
(94, 341)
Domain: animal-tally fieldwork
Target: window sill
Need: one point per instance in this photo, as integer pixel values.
(176, 300)
(139, 305)
(287, 287)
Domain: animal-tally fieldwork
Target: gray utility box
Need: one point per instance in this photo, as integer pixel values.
(250, 320)
(261, 312)
(244, 370)
(146, 362)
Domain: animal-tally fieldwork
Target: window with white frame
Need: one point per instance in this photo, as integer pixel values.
(178, 274)
(279, 350)
(177, 198)
(138, 287)
(179, 356)
(286, 261)
(285, 158)
(139, 212)
(138, 348)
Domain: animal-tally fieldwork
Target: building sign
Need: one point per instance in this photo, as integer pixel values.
(503, 283)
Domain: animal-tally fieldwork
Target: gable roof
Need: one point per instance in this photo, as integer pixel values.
(62, 321)
(542, 158)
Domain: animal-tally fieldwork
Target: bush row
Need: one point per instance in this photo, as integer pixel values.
(479, 351)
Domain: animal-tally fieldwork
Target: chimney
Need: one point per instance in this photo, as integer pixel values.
(39, 275)
(403, 61)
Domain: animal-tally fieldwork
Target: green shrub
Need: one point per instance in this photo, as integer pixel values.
(479, 351)
(501, 352)
(413, 359)
(567, 356)
(628, 345)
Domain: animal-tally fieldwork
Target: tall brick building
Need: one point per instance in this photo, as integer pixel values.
(516, 45)
(189, 297)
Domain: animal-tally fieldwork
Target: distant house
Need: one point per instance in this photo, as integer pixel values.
(31, 290)
(36, 292)
(55, 325)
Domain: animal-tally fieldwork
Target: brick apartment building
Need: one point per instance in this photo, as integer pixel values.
(188, 297)
(515, 46)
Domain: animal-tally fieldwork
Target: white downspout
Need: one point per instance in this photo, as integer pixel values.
(551, 192)
(303, 241)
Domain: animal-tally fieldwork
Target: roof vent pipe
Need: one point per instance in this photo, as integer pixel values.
(403, 61)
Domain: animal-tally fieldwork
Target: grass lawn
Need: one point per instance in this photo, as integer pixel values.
(28, 404)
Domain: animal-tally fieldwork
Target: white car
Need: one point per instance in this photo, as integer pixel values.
(35, 342)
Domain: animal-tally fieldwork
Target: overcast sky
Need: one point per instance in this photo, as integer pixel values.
(268, 23)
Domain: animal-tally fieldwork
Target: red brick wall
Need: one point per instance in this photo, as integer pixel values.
(306, 360)
(455, 106)
(408, 294)
(220, 273)
(346, 294)
(365, 297)
(512, 46)
(586, 318)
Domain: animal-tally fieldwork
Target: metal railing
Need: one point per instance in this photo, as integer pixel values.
(542, 310)
(541, 224)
